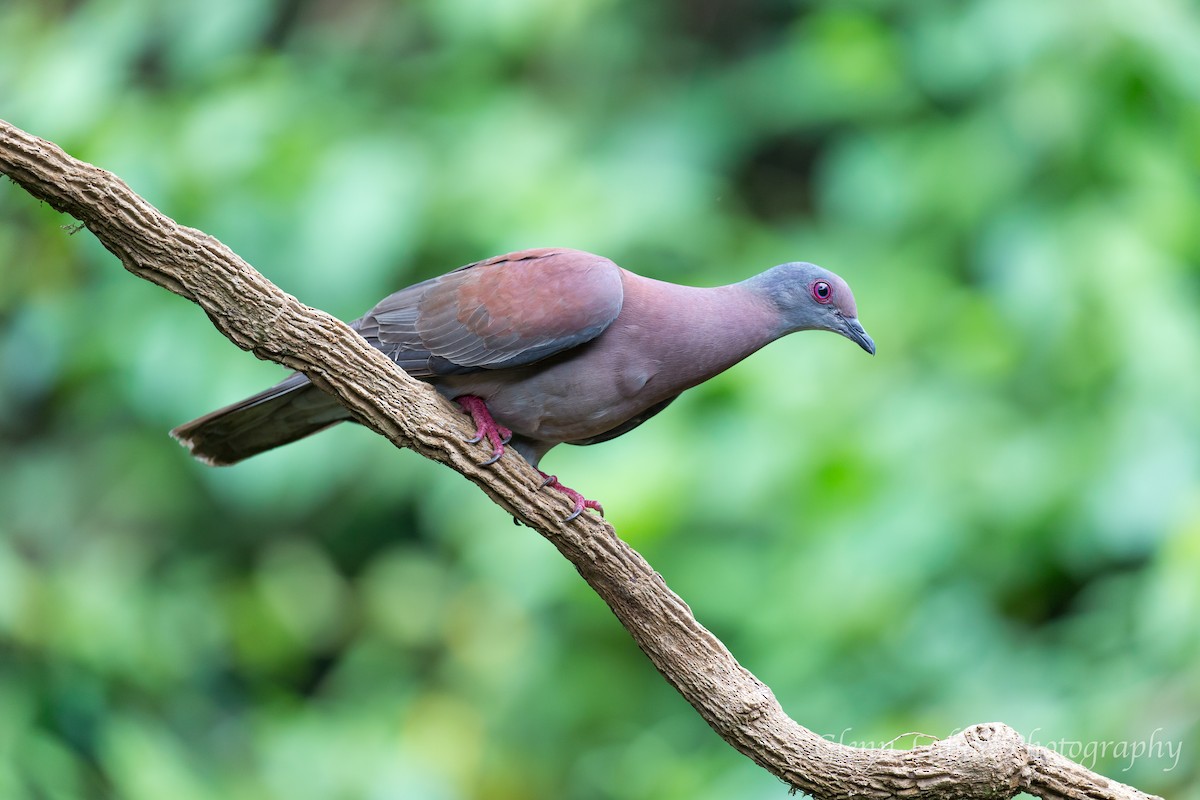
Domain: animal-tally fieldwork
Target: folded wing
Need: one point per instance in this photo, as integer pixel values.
(508, 311)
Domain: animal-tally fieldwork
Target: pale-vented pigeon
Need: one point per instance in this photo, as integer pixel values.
(549, 346)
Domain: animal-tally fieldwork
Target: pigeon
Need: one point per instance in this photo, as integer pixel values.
(549, 346)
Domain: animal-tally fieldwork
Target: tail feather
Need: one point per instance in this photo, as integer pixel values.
(277, 416)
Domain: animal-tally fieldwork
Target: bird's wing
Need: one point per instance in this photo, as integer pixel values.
(507, 311)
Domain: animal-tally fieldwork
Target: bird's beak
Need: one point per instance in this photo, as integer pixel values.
(852, 329)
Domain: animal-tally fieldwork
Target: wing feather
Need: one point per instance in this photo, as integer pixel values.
(508, 311)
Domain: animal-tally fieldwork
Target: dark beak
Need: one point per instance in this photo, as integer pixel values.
(852, 329)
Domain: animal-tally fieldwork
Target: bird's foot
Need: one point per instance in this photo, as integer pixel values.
(485, 426)
(579, 500)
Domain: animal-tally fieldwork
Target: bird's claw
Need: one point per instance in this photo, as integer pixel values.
(580, 502)
(481, 434)
(579, 507)
(485, 427)
(499, 436)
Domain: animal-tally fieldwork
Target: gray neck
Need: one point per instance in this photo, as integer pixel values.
(776, 288)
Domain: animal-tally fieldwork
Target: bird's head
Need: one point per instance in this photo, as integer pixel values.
(811, 298)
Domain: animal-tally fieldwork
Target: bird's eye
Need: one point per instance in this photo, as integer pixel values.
(822, 292)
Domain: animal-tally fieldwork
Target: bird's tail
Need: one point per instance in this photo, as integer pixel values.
(284, 413)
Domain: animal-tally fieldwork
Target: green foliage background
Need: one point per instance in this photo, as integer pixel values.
(997, 518)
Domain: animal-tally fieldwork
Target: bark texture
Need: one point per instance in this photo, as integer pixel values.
(984, 761)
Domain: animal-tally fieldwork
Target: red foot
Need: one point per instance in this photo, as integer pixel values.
(485, 426)
(579, 500)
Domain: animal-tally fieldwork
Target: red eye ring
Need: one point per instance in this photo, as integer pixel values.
(822, 292)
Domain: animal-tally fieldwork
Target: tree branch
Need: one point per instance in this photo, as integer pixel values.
(988, 760)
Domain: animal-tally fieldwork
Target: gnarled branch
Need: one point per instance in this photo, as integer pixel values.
(989, 760)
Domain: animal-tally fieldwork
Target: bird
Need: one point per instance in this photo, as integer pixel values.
(549, 346)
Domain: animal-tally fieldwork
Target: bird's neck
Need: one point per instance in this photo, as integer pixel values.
(711, 328)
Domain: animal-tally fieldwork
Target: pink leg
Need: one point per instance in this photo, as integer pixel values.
(579, 500)
(485, 426)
